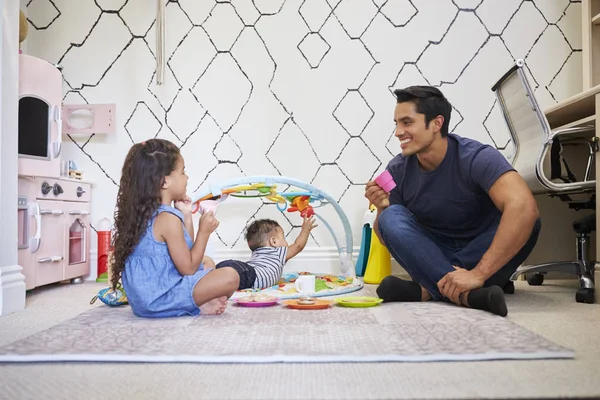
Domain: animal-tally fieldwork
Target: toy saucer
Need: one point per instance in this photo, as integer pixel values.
(318, 304)
(250, 301)
(305, 301)
(358, 301)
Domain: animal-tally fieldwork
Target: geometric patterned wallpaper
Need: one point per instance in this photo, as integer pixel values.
(301, 88)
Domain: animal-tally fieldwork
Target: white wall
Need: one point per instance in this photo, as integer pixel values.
(298, 88)
(12, 281)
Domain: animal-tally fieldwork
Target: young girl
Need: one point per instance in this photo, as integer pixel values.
(163, 270)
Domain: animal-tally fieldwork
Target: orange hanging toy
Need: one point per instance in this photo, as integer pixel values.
(301, 203)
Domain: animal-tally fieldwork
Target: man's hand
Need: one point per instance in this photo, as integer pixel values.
(184, 205)
(377, 196)
(455, 283)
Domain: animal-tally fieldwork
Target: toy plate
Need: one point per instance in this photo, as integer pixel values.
(358, 301)
(318, 305)
(246, 302)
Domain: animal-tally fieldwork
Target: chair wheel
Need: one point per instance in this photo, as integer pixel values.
(535, 279)
(509, 288)
(585, 295)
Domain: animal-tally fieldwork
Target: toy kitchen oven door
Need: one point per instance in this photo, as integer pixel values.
(28, 244)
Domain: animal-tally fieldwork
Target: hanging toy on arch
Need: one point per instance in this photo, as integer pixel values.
(302, 204)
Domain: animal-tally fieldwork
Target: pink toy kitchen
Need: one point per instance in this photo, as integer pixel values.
(53, 199)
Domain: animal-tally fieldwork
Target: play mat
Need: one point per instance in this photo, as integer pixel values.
(325, 285)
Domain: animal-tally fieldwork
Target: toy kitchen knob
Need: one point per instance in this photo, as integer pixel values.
(46, 188)
(80, 191)
(57, 189)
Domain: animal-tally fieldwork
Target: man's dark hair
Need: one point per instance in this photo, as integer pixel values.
(429, 101)
(257, 233)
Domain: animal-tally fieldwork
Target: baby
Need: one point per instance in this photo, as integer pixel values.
(270, 252)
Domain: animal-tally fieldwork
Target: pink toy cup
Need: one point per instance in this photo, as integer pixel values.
(385, 181)
(209, 205)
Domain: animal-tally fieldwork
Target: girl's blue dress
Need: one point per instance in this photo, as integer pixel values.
(153, 285)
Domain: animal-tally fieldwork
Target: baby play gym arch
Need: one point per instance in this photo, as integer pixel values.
(304, 201)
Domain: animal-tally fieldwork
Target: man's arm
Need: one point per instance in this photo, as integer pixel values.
(519, 211)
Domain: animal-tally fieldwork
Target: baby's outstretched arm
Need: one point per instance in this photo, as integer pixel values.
(168, 227)
(308, 224)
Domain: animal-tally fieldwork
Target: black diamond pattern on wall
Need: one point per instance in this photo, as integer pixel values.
(314, 48)
(353, 113)
(297, 87)
(398, 12)
(142, 123)
(43, 13)
(314, 13)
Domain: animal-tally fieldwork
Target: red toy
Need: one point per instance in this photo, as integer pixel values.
(301, 203)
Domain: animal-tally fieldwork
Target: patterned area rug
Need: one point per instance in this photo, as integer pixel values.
(409, 332)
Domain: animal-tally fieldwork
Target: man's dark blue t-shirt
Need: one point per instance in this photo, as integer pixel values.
(452, 200)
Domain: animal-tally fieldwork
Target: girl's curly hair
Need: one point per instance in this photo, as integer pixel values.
(144, 171)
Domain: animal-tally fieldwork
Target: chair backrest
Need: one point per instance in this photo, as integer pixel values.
(527, 124)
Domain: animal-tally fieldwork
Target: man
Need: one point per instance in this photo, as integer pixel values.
(460, 220)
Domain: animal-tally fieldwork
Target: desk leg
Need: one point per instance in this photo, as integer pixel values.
(597, 266)
(597, 279)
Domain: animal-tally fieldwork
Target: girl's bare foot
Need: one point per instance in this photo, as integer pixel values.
(214, 307)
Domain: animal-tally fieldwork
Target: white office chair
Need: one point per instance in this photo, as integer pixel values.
(537, 156)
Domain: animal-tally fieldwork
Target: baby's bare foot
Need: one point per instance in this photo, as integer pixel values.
(214, 307)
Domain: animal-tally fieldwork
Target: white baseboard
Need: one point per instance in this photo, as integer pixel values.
(93, 266)
(318, 259)
(12, 289)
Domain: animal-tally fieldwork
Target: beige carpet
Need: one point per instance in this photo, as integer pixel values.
(410, 332)
(549, 310)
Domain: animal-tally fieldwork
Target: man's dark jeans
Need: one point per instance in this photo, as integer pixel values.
(428, 258)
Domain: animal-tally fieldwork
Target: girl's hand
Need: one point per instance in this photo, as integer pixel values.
(185, 205)
(208, 223)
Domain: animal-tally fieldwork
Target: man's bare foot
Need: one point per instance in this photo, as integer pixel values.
(214, 307)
